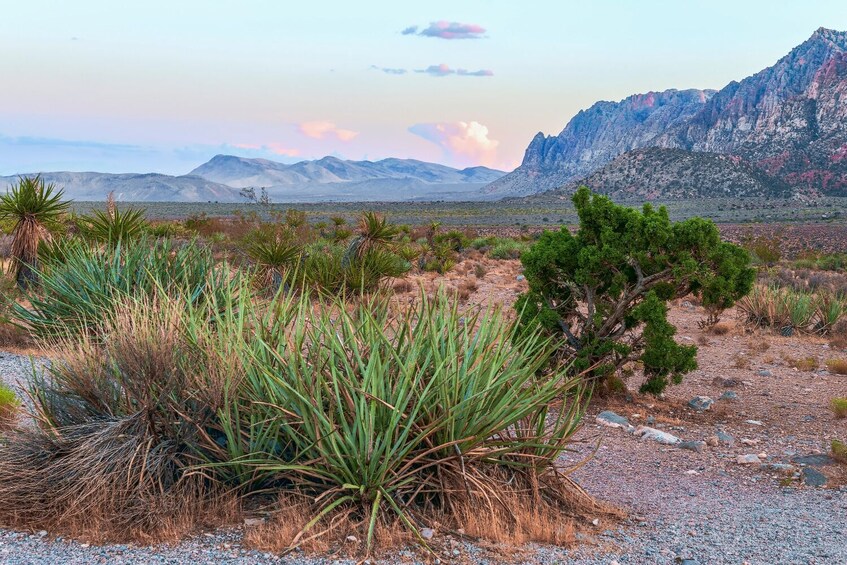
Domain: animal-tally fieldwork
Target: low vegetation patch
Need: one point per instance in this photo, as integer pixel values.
(839, 407)
(9, 407)
(837, 366)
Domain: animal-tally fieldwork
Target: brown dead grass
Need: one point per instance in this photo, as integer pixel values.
(837, 366)
(741, 361)
(806, 364)
(721, 328)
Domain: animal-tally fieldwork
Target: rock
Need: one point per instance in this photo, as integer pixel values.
(427, 533)
(651, 420)
(725, 438)
(746, 441)
(812, 477)
(352, 539)
(726, 383)
(646, 432)
(697, 446)
(700, 403)
(713, 441)
(520, 278)
(749, 459)
(612, 420)
(729, 395)
(781, 468)
(815, 460)
(765, 373)
(754, 422)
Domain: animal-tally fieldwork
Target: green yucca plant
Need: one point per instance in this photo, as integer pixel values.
(375, 232)
(114, 225)
(387, 413)
(35, 207)
(276, 257)
(79, 288)
(830, 308)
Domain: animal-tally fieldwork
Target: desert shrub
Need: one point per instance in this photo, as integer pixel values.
(168, 230)
(807, 364)
(9, 407)
(120, 421)
(276, 257)
(481, 243)
(388, 417)
(35, 208)
(440, 259)
(454, 238)
(839, 407)
(837, 366)
(78, 290)
(479, 271)
(507, 249)
(604, 291)
(839, 450)
(765, 250)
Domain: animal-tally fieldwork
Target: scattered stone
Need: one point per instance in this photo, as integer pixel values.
(646, 432)
(782, 468)
(700, 403)
(749, 459)
(520, 278)
(712, 441)
(725, 438)
(812, 477)
(754, 422)
(595, 522)
(726, 383)
(697, 446)
(815, 460)
(729, 395)
(765, 373)
(651, 420)
(612, 420)
(427, 533)
(352, 539)
(42, 533)
(746, 441)
(692, 472)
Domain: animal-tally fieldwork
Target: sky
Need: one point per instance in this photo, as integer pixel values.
(144, 86)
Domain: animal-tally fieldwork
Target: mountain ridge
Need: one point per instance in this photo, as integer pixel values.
(789, 120)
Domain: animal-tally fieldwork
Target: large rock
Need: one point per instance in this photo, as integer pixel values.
(613, 420)
(700, 403)
(646, 432)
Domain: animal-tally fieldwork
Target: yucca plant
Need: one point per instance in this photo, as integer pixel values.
(375, 232)
(829, 310)
(114, 225)
(276, 257)
(388, 416)
(87, 281)
(36, 208)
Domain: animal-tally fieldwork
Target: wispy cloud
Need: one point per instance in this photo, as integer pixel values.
(444, 70)
(322, 129)
(389, 70)
(466, 143)
(274, 148)
(447, 30)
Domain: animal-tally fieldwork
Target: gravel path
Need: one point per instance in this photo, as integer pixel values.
(684, 508)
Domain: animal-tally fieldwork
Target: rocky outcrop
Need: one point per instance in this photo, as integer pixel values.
(789, 121)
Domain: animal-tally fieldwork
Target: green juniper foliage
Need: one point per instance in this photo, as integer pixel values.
(605, 290)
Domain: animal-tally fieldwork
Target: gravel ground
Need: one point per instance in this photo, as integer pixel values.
(684, 506)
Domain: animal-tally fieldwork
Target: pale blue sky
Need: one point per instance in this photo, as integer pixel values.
(164, 85)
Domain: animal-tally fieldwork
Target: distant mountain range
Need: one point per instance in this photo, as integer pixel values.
(327, 179)
(783, 126)
(331, 178)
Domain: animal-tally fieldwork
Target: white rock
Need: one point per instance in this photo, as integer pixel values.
(646, 432)
(754, 422)
(427, 533)
(749, 459)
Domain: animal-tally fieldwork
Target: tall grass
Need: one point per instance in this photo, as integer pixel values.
(787, 310)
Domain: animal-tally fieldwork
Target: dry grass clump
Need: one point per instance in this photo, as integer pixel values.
(839, 450)
(807, 364)
(837, 366)
(9, 407)
(839, 407)
(740, 361)
(119, 423)
(466, 288)
(720, 328)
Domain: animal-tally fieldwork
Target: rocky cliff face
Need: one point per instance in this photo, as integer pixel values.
(789, 121)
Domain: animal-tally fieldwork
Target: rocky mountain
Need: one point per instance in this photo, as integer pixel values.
(331, 178)
(660, 173)
(789, 121)
(150, 187)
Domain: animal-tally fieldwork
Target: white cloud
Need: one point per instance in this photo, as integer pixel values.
(463, 142)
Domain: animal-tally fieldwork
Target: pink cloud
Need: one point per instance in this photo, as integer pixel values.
(464, 142)
(448, 30)
(322, 128)
(279, 149)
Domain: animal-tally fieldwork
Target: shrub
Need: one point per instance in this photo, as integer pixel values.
(837, 366)
(839, 407)
(82, 287)
(839, 450)
(507, 249)
(119, 423)
(35, 208)
(765, 250)
(598, 288)
(807, 364)
(479, 271)
(9, 407)
(387, 417)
